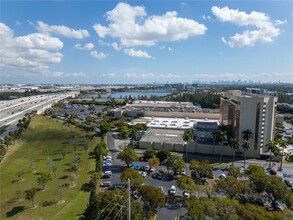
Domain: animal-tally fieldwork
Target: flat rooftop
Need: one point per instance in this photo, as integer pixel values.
(175, 123)
(163, 136)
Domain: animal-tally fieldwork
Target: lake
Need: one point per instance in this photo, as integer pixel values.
(134, 94)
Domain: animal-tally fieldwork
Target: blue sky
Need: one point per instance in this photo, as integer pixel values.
(145, 41)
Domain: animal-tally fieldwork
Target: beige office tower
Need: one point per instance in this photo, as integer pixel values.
(241, 111)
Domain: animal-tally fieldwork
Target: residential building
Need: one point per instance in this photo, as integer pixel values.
(241, 111)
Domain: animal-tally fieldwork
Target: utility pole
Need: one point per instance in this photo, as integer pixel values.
(129, 210)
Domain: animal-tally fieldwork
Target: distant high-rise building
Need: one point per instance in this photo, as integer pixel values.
(241, 111)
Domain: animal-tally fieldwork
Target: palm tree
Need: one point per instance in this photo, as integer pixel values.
(245, 146)
(187, 136)
(272, 145)
(234, 144)
(283, 145)
(222, 137)
(215, 138)
(247, 134)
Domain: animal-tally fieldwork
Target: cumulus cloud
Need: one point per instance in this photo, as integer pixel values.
(130, 75)
(132, 26)
(62, 30)
(110, 75)
(88, 46)
(98, 55)
(31, 52)
(137, 53)
(266, 29)
(63, 75)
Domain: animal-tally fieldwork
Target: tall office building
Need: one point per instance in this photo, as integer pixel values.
(241, 111)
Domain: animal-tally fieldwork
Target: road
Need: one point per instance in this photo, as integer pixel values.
(13, 110)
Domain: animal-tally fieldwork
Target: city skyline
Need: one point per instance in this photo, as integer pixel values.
(103, 42)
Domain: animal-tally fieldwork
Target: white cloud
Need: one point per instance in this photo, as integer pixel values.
(134, 28)
(206, 17)
(31, 52)
(115, 46)
(266, 31)
(63, 75)
(130, 75)
(62, 30)
(137, 53)
(87, 46)
(110, 75)
(164, 47)
(98, 55)
(147, 75)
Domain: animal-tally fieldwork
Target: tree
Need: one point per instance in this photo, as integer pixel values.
(245, 146)
(104, 127)
(271, 187)
(283, 145)
(136, 179)
(201, 169)
(187, 183)
(149, 153)
(153, 198)
(30, 194)
(230, 187)
(272, 146)
(128, 155)
(124, 132)
(163, 154)
(234, 144)
(43, 179)
(154, 162)
(187, 136)
(175, 163)
(112, 204)
(247, 134)
(234, 171)
(220, 137)
(208, 189)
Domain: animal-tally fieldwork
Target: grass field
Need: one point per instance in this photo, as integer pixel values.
(45, 135)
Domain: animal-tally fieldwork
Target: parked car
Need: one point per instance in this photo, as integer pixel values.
(144, 174)
(107, 172)
(115, 186)
(222, 176)
(159, 176)
(273, 172)
(106, 183)
(106, 176)
(186, 193)
(292, 189)
(152, 169)
(288, 183)
(172, 190)
(147, 168)
(155, 175)
(183, 172)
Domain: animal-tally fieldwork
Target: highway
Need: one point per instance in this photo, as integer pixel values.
(13, 110)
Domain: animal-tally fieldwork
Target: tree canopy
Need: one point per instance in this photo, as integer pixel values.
(128, 155)
(175, 163)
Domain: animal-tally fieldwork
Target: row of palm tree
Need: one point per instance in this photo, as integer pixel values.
(220, 136)
(274, 148)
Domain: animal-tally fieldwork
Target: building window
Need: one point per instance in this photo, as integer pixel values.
(256, 125)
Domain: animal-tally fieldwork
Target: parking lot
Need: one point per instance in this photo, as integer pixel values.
(173, 206)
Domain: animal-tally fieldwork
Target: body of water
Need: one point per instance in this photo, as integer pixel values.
(134, 94)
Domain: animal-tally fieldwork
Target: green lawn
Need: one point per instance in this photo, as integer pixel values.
(45, 135)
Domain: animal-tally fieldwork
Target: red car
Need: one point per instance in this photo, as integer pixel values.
(273, 172)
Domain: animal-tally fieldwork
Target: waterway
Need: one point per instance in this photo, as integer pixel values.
(134, 94)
